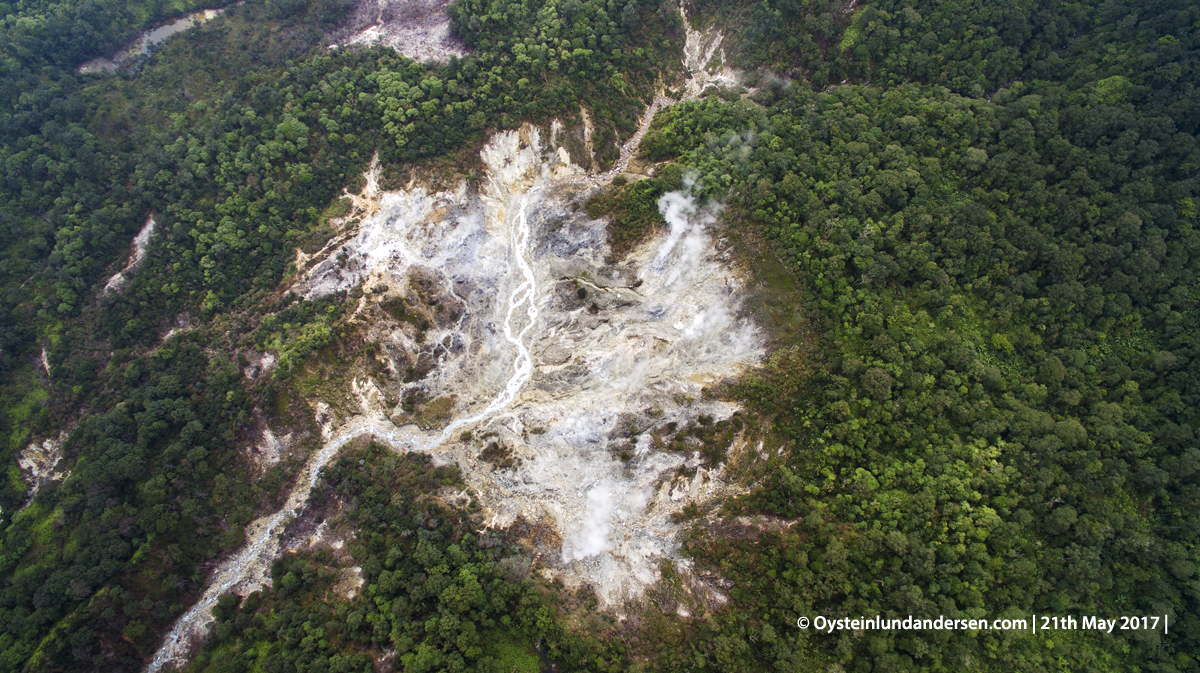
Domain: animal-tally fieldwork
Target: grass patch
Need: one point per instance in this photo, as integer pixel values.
(775, 298)
(323, 230)
(512, 655)
(22, 415)
(400, 309)
(435, 414)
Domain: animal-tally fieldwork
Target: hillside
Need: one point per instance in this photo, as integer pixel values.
(602, 336)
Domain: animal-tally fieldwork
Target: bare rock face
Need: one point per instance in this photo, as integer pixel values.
(704, 58)
(419, 29)
(39, 462)
(137, 254)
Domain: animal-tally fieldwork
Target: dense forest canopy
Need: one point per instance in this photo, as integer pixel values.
(988, 210)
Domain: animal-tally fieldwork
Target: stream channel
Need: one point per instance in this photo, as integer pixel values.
(147, 40)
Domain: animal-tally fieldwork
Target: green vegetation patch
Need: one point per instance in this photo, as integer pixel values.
(633, 208)
(989, 392)
(437, 594)
(436, 413)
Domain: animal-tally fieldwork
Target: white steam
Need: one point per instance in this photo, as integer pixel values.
(592, 536)
(686, 239)
(686, 245)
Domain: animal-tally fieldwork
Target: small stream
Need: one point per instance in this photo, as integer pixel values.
(147, 40)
